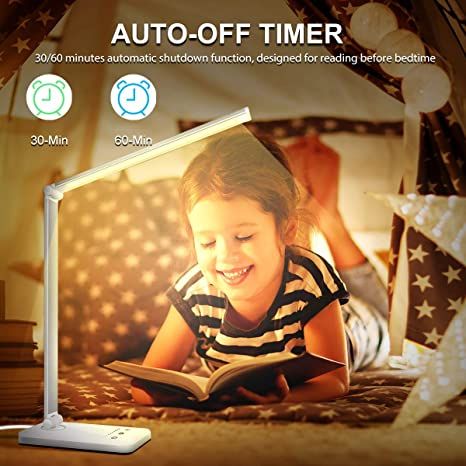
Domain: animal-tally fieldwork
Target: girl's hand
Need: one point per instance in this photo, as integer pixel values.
(159, 396)
(276, 395)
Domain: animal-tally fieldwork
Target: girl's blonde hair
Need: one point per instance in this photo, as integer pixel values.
(241, 165)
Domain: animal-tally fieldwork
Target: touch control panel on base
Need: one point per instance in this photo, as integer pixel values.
(80, 436)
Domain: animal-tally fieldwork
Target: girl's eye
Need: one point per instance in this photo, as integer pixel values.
(208, 245)
(244, 238)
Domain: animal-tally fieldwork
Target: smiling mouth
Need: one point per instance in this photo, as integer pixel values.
(236, 276)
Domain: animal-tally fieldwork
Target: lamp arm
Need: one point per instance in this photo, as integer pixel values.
(53, 432)
(149, 153)
(51, 198)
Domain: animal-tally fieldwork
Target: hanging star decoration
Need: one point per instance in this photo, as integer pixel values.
(442, 220)
(444, 377)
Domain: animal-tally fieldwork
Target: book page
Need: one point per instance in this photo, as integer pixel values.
(231, 370)
(192, 383)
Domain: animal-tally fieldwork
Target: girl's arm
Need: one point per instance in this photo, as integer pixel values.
(324, 335)
(169, 350)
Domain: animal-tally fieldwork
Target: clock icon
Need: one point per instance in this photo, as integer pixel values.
(49, 97)
(133, 97)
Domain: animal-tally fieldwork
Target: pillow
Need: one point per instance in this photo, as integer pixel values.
(121, 246)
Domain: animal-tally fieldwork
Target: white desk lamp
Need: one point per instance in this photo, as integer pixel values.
(53, 432)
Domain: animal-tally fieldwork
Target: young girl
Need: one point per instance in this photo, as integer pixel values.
(252, 291)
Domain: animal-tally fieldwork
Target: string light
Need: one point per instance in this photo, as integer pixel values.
(425, 87)
(371, 22)
(396, 44)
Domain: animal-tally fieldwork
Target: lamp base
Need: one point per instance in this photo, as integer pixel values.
(93, 437)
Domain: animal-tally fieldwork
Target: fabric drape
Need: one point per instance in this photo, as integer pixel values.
(23, 26)
(436, 280)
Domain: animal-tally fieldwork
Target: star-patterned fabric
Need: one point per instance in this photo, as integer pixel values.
(24, 25)
(296, 127)
(436, 280)
(437, 290)
(374, 397)
(121, 246)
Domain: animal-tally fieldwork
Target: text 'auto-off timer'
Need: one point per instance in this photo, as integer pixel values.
(133, 97)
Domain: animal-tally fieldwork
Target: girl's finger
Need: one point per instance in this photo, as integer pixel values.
(228, 398)
(282, 386)
(259, 399)
(251, 396)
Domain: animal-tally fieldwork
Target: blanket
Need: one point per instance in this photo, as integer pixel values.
(374, 397)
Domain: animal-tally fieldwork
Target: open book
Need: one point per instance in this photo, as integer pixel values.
(256, 374)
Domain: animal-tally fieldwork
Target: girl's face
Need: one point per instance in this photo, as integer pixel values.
(239, 250)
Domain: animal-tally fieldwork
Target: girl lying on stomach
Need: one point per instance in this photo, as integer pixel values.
(253, 291)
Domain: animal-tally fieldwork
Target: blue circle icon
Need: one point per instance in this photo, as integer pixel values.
(133, 97)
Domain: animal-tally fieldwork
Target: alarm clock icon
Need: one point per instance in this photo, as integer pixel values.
(49, 97)
(133, 97)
